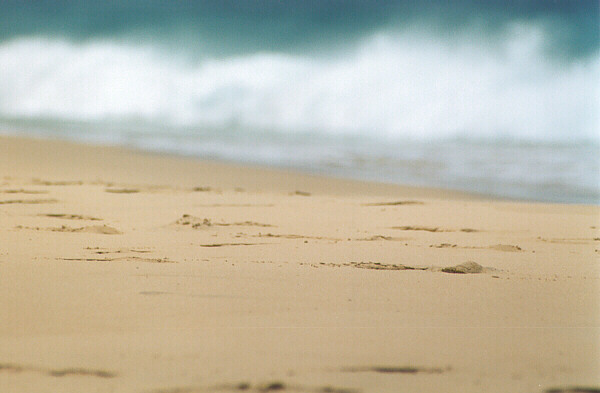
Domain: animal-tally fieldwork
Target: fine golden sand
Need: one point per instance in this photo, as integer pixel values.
(129, 272)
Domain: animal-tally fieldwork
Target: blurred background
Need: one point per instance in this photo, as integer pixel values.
(495, 97)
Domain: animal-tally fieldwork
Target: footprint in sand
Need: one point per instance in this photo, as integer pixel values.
(27, 201)
(81, 372)
(381, 237)
(101, 251)
(382, 266)
(301, 193)
(370, 266)
(395, 203)
(291, 236)
(420, 228)
(273, 386)
(117, 259)
(71, 217)
(23, 191)
(573, 389)
(395, 370)
(464, 268)
(16, 368)
(122, 190)
(498, 247)
(444, 245)
(231, 244)
(57, 183)
(201, 189)
(100, 229)
(106, 255)
(434, 229)
(565, 241)
(187, 220)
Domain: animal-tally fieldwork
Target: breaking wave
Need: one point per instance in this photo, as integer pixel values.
(394, 84)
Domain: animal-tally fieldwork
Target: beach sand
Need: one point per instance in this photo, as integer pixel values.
(123, 271)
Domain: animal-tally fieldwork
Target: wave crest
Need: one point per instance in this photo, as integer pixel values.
(394, 84)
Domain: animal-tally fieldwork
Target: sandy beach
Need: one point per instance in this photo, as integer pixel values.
(123, 271)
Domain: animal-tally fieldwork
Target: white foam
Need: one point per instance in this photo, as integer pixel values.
(394, 84)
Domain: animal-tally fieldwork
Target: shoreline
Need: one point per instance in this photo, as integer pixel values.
(526, 179)
(306, 178)
(126, 271)
(94, 154)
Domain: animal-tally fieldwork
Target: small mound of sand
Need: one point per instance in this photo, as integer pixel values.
(193, 222)
(464, 268)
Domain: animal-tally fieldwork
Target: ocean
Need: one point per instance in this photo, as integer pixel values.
(499, 97)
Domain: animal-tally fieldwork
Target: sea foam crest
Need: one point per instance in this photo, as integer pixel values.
(393, 84)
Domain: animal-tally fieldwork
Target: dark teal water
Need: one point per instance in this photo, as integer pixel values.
(233, 26)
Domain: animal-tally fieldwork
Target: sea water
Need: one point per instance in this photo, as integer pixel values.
(495, 98)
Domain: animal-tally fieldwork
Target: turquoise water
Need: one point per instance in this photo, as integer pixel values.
(496, 97)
